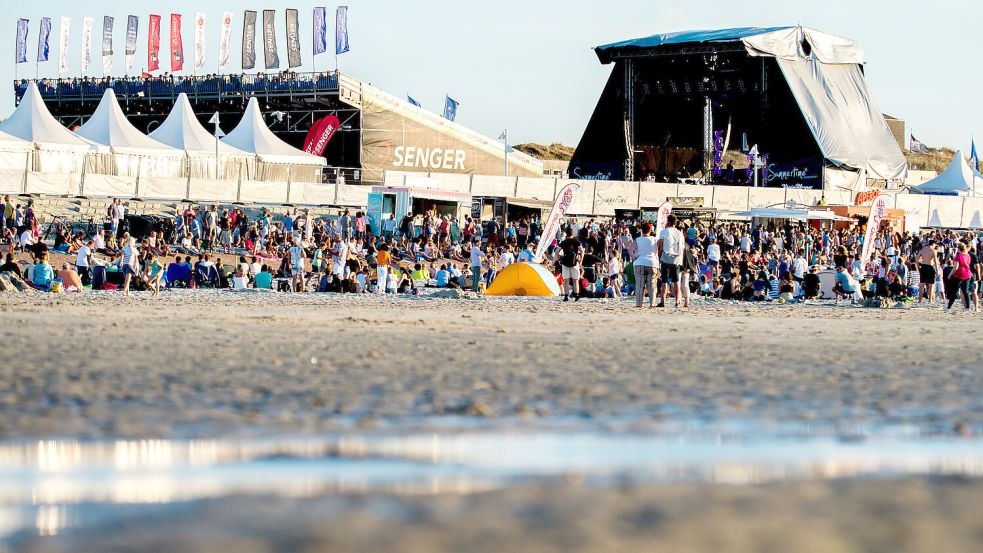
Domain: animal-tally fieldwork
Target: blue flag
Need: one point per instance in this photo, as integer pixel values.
(412, 101)
(45, 34)
(341, 31)
(974, 159)
(450, 109)
(21, 53)
(320, 30)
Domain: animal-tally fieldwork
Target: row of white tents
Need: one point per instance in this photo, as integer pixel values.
(107, 143)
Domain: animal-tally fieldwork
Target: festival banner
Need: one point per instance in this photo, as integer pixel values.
(177, 45)
(878, 211)
(341, 31)
(107, 45)
(660, 224)
(44, 46)
(153, 44)
(293, 40)
(563, 202)
(86, 43)
(199, 41)
(269, 40)
(66, 25)
(249, 40)
(132, 24)
(320, 30)
(320, 134)
(21, 48)
(224, 43)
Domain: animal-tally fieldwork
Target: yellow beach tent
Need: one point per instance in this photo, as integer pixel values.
(524, 279)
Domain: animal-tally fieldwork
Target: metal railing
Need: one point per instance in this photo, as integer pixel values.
(168, 87)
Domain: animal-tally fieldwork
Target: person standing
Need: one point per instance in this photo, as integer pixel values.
(382, 261)
(477, 256)
(83, 262)
(960, 277)
(928, 270)
(571, 254)
(297, 266)
(130, 262)
(671, 243)
(646, 261)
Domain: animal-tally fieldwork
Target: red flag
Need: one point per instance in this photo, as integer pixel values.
(177, 47)
(153, 44)
(320, 134)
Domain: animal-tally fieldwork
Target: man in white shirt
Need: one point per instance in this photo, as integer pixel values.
(339, 257)
(713, 254)
(83, 262)
(297, 266)
(646, 260)
(746, 243)
(671, 244)
(477, 256)
(799, 267)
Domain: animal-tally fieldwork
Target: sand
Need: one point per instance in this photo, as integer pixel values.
(223, 364)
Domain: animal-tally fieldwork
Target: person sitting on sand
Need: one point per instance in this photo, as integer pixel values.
(845, 285)
(264, 278)
(10, 265)
(70, 279)
(43, 274)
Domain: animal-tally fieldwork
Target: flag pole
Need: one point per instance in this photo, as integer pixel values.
(506, 152)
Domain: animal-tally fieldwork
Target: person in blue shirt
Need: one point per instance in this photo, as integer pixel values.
(43, 273)
(442, 277)
(264, 279)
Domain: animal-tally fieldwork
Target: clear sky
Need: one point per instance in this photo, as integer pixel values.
(528, 65)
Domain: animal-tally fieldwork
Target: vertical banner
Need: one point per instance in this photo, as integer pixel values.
(341, 30)
(132, 23)
(107, 45)
(293, 40)
(20, 52)
(177, 45)
(878, 210)
(663, 219)
(153, 44)
(86, 43)
(320, 30)
(563, 202)
(44, 38)
(249, 40)
(64, 30)
(199, 41)
(269, 40)
(223, 45)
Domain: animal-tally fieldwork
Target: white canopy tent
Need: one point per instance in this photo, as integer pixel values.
(208, 157)
(278, 161)
(132, 153)
(958, 180)
(56, 149)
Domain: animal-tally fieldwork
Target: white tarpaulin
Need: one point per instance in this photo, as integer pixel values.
(790, 44)
(252, 135)
(183, 131)
(844, 119)
(58, 150)
(958, 180)
(132, 152)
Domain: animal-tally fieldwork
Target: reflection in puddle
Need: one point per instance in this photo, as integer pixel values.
(51, 485)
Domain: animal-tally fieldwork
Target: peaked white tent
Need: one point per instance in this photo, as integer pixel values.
(958, 180)
(132, 153)
(277, 159)
(56, 149)
(208, 157)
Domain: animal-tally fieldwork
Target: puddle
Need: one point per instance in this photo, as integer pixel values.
(49, 486)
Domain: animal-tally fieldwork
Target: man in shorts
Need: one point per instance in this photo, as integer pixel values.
(671, 246)
(297, 266)
(928, 270)
(571, 254)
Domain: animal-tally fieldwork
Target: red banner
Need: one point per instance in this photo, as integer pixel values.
(320, 134)
(153, 44)
(177, 47)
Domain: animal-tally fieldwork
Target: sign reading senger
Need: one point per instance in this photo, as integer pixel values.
(435, 159)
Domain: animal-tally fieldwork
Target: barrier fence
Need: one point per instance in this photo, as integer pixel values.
(594, 198)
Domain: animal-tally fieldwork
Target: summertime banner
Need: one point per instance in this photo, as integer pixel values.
(86, 42)
(563, 202)
(66, 24)
(663, 219)
(177, 46)
(153, 44)
(878, 211)
(199, 41)
(224, 43)
(132, 23)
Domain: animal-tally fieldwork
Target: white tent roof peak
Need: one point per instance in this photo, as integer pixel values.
(253, 136)
(183, 131)
(33, 122)
(109, 126)
(957, 180)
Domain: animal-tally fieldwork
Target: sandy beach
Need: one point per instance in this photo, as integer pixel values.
(213, 364)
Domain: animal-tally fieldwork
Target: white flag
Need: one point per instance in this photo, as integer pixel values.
(663, 220)
(199, 40)
(107, 65)
(86, 43)
(223, 48)
(878, 211)
(563, 202)
(66, 24)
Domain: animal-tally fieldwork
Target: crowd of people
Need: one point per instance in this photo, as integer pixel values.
(209, 247)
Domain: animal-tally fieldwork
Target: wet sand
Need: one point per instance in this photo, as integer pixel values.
(219, 364)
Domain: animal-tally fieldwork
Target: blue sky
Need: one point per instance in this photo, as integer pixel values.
(528, 65)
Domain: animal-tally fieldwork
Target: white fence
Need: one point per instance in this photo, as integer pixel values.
(600, 198)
